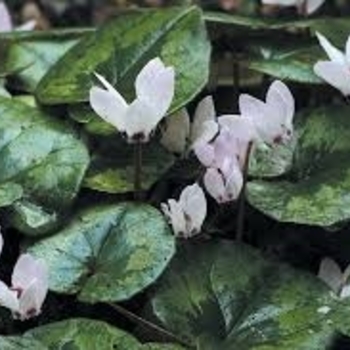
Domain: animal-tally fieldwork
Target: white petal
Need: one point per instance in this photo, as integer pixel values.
(155, 85)
(313, 5)
(250, 106)
(205, 112)
(5, 18)
(108, 107)
(333, 53)
(335, 74)
(141, 119)
(234, 182)
(177, 130)
(28, 26)
(280, 97)
(194, 204)
(347, 50)
(26, 270)
(205, 153)
(280, 2)
(178, 220)
(215, 186)
(29, 303)
(8, 298)
(209, 130)
(331, 274)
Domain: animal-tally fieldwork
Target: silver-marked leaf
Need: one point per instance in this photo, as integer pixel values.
(31, 54)
(123, 46)
(78, 334)
(316, 190)
(108, 253)
(39, 156)
(227, 296)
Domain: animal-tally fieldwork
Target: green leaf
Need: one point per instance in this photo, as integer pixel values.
(114, 174)
(316, 191)
(42, 159)
(31, 54)
(122, 47)
(78, 334)
(286, 61)
(227, 296)
(108, 253)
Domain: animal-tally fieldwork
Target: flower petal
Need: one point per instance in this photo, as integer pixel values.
(5, 18)
(8, 297)
(30, 302)
(177, 218)
(205, 112)
(108, 107)
(155, 85)
(26, 270)
(234, 182)
(194, 204)
(205, 153)
(335, 74)
(177, 130)
(334, 54)
(313, 5)
(214, 184)
(279, 97)
(331, 274)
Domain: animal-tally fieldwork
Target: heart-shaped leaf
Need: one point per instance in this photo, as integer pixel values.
(227, 296)
(42, 159)
(78, 334)
(31, 54)
(108, 253)
(122, 47)
(316, 191)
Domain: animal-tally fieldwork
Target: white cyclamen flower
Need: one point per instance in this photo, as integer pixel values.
(180, 133)
(331, 273)
(29, 286)
(188, 213)
(304, 6)
(336, 71)
(154, 87)
(273, 119)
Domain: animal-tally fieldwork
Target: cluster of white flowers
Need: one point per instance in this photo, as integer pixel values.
(221, 143)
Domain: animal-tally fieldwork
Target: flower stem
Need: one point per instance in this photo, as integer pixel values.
(137, 170)
(241, 203)
(168, 336)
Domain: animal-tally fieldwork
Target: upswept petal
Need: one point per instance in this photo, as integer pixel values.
(214, 184)
(345, 292)
(234, 182)
(313, 5)
(176, 133)
(110, 88)
(29, 305)
(109, 108)
(205, 153)
(8, 298)
(194, 204)
(334, 54)
(280, 97)
(26, 270)
(335, 74)
(331, 274)
(155, 85)
(5, 18)
(205, 112)
(178, 220)
(251, 106)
